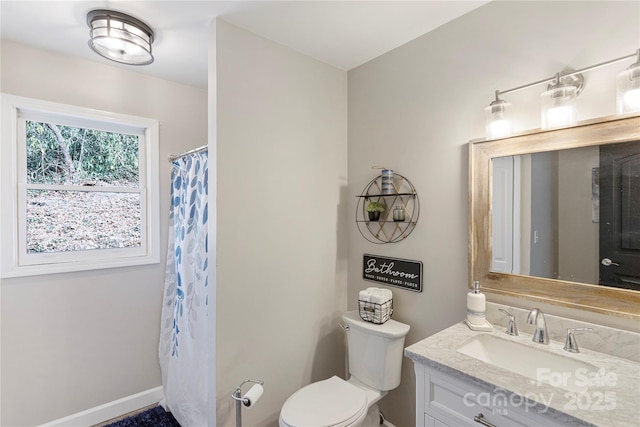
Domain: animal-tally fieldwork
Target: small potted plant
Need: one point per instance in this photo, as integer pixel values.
(374, 209)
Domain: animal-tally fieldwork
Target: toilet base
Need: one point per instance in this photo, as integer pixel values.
(373, 417)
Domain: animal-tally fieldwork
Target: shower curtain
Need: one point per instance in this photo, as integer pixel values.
(183, 335)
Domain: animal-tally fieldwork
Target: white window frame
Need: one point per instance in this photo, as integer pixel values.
(15, 261)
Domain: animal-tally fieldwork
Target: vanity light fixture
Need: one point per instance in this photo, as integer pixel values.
(628, 88)
(558, 102)
(497, 124)
(120, 37)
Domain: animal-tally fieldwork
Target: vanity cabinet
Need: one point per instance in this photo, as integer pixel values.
(444, 400)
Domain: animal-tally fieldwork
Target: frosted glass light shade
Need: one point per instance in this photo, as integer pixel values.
(628, 90)
(559, 107)
(497, 124)
(120, 37)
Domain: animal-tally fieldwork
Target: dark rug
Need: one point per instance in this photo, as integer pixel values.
(154, 417)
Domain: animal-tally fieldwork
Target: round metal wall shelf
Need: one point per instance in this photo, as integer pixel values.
(386, 230)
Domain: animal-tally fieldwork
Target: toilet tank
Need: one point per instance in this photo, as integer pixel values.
(375, 351)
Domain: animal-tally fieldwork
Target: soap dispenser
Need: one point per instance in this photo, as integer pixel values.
(476, 308)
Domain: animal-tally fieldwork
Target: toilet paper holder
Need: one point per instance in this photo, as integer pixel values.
(248, 399)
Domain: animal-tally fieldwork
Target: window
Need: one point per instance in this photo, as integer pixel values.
(79, 186)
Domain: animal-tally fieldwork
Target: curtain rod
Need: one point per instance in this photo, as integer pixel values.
(174, 157)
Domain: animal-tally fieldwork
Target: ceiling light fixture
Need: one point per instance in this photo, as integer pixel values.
(559, 104)
(120, 37)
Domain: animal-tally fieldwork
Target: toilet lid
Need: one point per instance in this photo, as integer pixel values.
(332, 402)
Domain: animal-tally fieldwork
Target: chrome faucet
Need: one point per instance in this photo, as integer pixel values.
(571, 345)
(512, 329)
(540, 335)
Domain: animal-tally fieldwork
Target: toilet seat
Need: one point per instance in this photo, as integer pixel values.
(331, 402)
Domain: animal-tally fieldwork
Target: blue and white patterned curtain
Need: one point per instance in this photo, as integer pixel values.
(183, 335)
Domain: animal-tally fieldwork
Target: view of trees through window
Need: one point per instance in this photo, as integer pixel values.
(81, 189)
(70, 155)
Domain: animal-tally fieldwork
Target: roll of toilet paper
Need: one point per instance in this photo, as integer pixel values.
(252, 396)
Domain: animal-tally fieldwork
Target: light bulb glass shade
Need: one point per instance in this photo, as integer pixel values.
(628, 90)
(559, 107)
(497, 124)
(120, 37)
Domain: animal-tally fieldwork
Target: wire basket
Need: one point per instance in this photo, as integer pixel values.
(374, 312)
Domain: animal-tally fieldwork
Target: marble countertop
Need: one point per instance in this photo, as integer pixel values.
(612, 399)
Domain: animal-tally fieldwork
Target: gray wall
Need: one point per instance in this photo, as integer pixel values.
(578, 240)
(415, 108)
(74, 341)
(282, 177)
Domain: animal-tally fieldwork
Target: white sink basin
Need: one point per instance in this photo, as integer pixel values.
(537, 364)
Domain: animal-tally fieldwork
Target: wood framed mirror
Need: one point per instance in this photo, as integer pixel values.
(569, 290)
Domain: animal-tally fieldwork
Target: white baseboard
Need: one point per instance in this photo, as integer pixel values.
(109, 410)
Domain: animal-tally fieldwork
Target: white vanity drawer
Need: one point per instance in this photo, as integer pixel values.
(432, 422)
(456, 403)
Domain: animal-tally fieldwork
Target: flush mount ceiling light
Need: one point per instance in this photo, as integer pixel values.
(120, 37)
(559, 100)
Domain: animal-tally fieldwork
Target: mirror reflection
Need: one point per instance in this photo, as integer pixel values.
(570, 214)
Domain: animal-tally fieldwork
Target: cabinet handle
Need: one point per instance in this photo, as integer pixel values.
(481, 419)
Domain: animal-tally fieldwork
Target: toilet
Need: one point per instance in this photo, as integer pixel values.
(375, 361)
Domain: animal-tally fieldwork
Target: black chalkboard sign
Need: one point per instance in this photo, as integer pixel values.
(402, 273)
